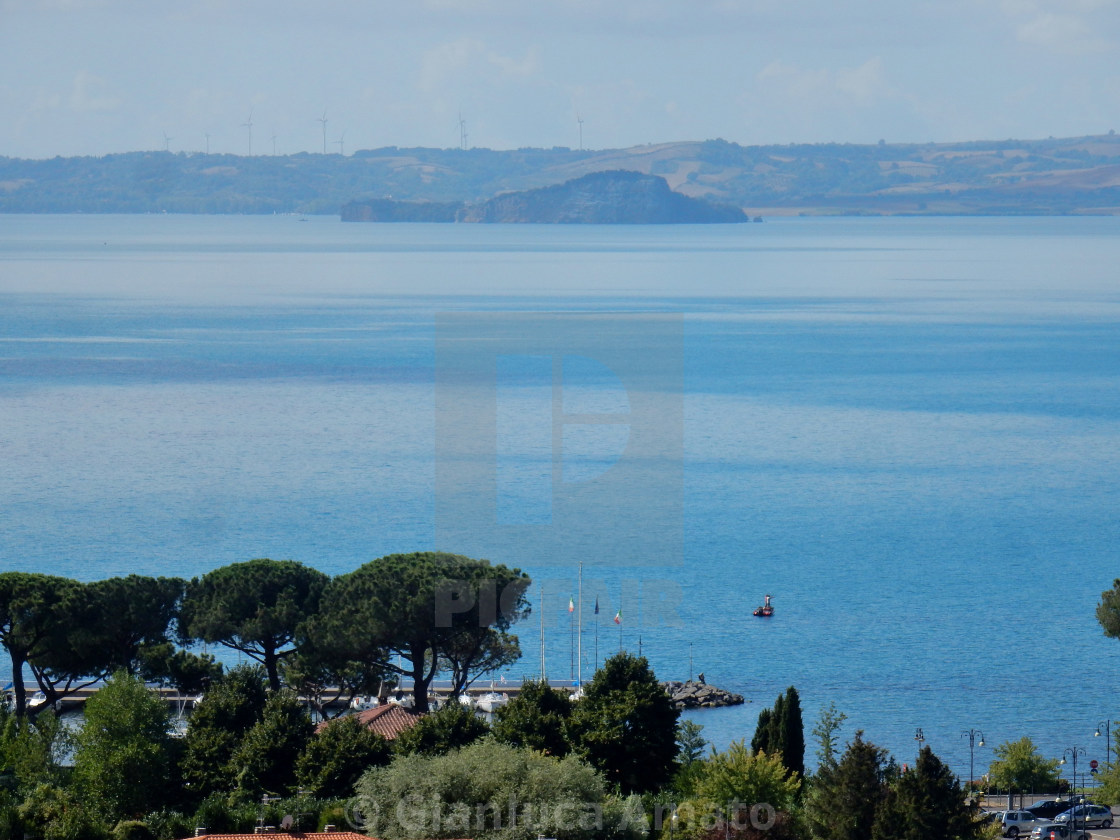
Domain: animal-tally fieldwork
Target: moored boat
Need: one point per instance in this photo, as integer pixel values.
(492, 701)
(764, 611)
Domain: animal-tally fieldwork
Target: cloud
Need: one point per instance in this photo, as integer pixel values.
(88, 94)
(452, 61)
(1065, 27)
(1060, 33)
(862, 85)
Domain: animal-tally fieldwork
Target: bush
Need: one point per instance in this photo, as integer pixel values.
(485, 790)
(169, 825)
(133, 830)
(450, 728)
(336, 757)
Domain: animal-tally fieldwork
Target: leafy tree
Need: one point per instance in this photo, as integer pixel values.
(265, 760)
(785, 826)
(1108, 791)
(690, 758)
(217, 726)
(31, 752)
(253, 607)
(468, 654)
(125, 615)
(323, 670)
(447, 729)
(338, 754)
(469, 793)
(35, 618)
(55, 813)
(792, 733)
(690, 743)
(626, 725)
(828, 724)
(846, 797)
(1019, 768)
(780, 730)
(1108, 611)
(762, 731)
(122, 760)
(927, 801)
(536, 718)
(740, 775)
(189, 672)
(133, 830)
(423, 607)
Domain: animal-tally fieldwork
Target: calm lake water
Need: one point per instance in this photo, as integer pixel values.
(906, 430)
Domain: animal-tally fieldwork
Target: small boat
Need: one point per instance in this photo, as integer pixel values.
(363, 702)
(764, 611)
(466, 700)
(492, 701)
(405, 701)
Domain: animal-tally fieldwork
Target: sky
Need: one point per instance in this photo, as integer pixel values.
(93, 77)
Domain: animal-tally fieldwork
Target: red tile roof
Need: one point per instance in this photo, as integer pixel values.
(388, 721)
(286, 835)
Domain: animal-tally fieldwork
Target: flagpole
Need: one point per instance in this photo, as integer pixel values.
(596, 632)
(571, 641)
(579, 630)
(544, 674)
(618, 619)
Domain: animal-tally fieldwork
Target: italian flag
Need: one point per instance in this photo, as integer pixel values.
(618, 617)
(571, 604)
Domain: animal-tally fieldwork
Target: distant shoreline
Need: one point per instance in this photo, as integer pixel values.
(1070, 176)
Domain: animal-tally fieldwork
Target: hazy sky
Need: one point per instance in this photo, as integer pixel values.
(91, 77)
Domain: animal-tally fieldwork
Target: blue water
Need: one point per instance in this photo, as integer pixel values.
(906, 430)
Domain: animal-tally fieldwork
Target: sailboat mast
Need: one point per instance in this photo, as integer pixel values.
(579, 644)
(540, 590)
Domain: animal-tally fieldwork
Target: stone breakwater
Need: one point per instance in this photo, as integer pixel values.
(700, 695)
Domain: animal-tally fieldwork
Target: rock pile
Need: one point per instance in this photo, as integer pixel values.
(700, 695)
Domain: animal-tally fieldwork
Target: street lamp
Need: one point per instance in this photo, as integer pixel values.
(919, 737)
(1073, 751)
(1107, 740)
(975, 739)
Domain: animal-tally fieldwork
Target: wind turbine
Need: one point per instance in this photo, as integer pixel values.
(579, 120)
(207, 133)
(249, 125)
(274, 144)
(462, 132)
(166, 142)
(339, 141)
(323, 120)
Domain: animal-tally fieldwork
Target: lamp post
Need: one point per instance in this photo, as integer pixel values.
(1107, 740)
(919, 737)
(975, 739)
(1072, 751)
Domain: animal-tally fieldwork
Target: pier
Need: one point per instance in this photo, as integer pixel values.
(684, 694)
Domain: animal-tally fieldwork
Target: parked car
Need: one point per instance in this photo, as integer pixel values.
(1087, 816)
(1058, 831)
(1018, 822)
(1047, 808)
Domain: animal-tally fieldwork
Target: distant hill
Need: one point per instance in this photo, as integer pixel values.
(604, 198)
(1053, 176)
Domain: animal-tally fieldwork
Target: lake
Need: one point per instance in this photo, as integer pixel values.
(906, 430)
